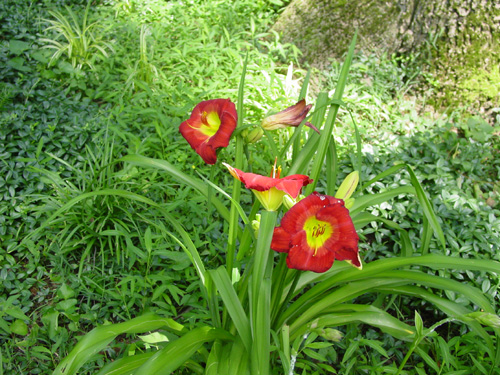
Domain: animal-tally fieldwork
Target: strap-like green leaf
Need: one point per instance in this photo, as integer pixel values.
(233, 305)
(351, 313)
(363, 201)
(378, 268)
(126, 365)
(368, 200)
(179, 351)
(180, 176)
(450, 308)
(365, 218)
(100, 337)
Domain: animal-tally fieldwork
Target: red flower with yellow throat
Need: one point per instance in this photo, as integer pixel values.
(316, 231)
(210, 127)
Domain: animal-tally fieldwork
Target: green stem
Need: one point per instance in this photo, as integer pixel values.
(278, 282)
(289, 295)
(260, 295)
(210, 191)
(238, 163)
(233, 214)
(330, 120)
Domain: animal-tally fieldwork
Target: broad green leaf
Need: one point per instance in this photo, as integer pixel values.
(125, 365)
(233, 305)
(100, 337)
(180, 176)
(17, 46)
(176, 353)
(18, 64)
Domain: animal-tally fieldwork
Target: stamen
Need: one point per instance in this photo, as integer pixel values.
(204, 118)
(318, 230)
(273, 172)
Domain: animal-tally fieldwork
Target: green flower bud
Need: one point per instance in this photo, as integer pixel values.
(254, 135)
(256, 224)
(349, 203)
(348, 186)
(289, 202)
(486, 319)
(330, 334)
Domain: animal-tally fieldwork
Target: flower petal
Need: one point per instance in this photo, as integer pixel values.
(292, 185)
(302, 257)
(293, 221)
(344, 240)
(228, 119)
(281, 240)
(321, 230)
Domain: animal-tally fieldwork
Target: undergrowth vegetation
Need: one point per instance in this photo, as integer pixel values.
(81, 243)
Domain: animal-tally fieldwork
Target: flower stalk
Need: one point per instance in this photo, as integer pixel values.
(260, 295)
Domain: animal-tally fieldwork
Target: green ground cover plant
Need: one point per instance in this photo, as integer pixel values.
(101, 195)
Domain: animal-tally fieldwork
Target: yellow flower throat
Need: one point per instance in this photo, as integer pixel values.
(317, 233)
(211, 123)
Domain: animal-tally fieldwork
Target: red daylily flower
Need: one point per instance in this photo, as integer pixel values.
(271, 190)
(316, 231)
(210, 126)
(292, 116)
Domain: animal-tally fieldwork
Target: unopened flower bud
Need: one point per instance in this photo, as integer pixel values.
(348, 203)
(330, 334)
(292, 116)
(256, 224)
(289, 202)
(486, 319)
(348, 186)
(254, 135)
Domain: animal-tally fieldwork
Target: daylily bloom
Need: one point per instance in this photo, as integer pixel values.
(271, 190)
(210, 126)
(315, 232)
(292, 116)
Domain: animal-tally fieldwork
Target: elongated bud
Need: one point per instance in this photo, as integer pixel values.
(330, 334)
(486, 319)
(254, 135)
(348, 203)
(348, 186)
(292, 116)
(288, 202)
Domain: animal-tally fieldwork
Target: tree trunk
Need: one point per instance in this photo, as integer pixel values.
(459, 40)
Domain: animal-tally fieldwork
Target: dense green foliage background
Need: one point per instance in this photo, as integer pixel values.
(64, 123)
